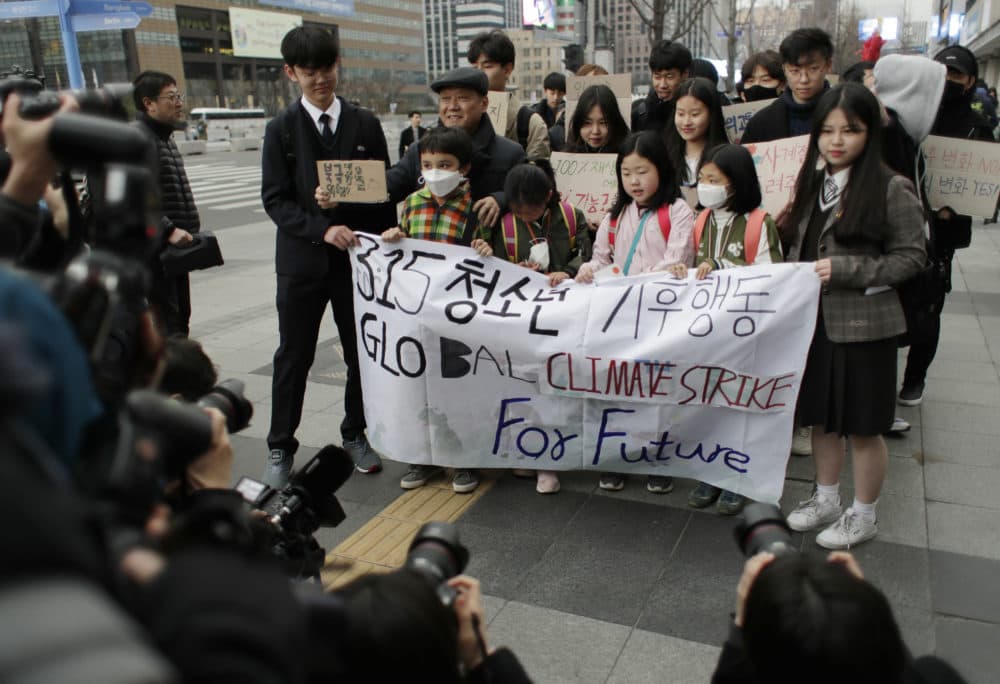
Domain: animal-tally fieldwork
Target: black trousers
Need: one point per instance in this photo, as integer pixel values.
(302, 302)
(924, 327)
(170, 299)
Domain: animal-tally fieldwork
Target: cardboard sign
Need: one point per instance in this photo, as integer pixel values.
(737, 116)
(475, 362)
(587, 181)
(962, 174)
(778, 163)
(499, 104)
(360, 181)
(620, 84)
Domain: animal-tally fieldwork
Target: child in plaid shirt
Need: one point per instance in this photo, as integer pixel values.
(441, 211)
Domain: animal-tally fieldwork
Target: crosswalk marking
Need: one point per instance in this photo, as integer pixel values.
(224, 186)
(238, 205)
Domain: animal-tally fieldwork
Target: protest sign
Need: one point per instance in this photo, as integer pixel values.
(962, 174)
(737, 116)
(475, 362)
(778, 163)
(587, 181)
(620, 84)
(361, 181)
(499, 103)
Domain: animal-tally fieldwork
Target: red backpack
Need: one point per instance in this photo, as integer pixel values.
(755, 224)
(510, 230)
(662, 216)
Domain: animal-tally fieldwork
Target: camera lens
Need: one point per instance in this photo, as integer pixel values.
(437, 553)
(228, 397)
(762, 528)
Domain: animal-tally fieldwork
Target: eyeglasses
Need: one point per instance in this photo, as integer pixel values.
(173, 97)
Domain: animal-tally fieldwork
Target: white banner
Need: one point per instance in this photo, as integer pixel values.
(258, 34)
(476, 362)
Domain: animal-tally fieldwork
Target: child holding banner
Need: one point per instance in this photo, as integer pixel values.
(732, 231)
(698, 125)
(648, 229)
(544, 234)
(441, 211)
(862, 226)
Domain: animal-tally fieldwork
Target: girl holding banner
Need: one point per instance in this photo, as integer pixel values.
(648, 229)
(698, 125)
(862, 226)
(731, 231)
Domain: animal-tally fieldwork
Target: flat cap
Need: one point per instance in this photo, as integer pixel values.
(463, 77)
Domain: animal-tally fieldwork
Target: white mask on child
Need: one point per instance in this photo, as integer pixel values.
(441, 182)
(712, 196)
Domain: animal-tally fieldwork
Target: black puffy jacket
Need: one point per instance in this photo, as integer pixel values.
(177, 201)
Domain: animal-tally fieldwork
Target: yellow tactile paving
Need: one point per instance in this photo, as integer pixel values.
(381, 543)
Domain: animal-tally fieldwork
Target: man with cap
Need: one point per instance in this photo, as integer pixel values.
(462, 100)
(552, 109)
(950, 231)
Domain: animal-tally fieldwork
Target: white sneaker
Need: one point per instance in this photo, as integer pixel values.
(802, 444)
(814, 512)
(851, 529)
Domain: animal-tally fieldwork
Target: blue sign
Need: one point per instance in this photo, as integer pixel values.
(104, 22)
(31, 8)
(336, 8)
(143, 9)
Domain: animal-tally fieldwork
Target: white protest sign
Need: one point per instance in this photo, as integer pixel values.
(587, 181)
(963, 175)
(778, 163)
(737, 116)
(498, 104)
(475, 362)
(361, 181)
(620, 84)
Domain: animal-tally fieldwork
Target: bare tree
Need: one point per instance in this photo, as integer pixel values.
(653, 13)
(731, 26)
(846, 45)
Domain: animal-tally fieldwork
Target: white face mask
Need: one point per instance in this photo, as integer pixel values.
(441, 182)
(712, 196)
(539, 254)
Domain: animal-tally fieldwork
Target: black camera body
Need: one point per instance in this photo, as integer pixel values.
(437, 554)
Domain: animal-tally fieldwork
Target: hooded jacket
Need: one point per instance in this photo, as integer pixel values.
(912, 87)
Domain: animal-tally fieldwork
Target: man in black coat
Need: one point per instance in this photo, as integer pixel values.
(807, 56)
(669, 63)
(311, 259)
(160, 107)
(411, 134)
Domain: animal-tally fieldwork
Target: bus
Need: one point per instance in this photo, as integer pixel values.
(217, 123)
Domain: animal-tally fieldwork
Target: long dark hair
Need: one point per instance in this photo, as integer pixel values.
(603, 97)
(736, 163)
(648, 145)
(703, 90)
(863, 200)
(532, 184)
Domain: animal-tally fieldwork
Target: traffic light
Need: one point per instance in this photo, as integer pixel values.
(573, 57)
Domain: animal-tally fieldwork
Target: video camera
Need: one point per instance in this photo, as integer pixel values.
(298, 509)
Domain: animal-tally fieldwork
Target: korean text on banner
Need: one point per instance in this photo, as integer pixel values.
(963, 175)
(499, 104)
(361, 181)
(587, 181)
(737, 116)
(474, 362)
(778, 163)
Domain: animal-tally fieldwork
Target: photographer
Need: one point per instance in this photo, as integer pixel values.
(402, 614)
(801, 618)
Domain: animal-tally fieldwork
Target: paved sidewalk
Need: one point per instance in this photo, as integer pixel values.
(590, 586)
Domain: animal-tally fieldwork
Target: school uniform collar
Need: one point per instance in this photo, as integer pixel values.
(315, 112)
(832, 187)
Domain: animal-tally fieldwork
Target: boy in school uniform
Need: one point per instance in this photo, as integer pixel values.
(441, 211)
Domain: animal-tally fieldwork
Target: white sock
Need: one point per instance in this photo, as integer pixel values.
(867, 511)
(829, 492)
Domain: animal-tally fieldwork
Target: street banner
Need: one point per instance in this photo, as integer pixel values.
(963, 175)
(499, 103)
(258, 34)
(778, 163)
(475, 362)
(620, 84)
(737, 116)
(361, 181)
(587, 181)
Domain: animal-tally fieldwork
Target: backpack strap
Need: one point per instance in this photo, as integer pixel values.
(699, 227)
(663, 218)
(569, 219)
(510, 236)
(523, 122)
(751, 236)
(612, 229)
